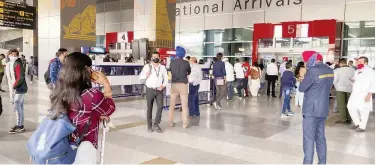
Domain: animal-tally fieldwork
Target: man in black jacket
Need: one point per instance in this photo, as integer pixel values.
(180, 69)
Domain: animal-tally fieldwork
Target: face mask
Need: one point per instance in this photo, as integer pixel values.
(360, 66)
(156, 60)
(12, 58)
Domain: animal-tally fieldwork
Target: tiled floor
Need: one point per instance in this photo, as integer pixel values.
(245, 131)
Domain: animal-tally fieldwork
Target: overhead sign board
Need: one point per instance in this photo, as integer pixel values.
(17, 15)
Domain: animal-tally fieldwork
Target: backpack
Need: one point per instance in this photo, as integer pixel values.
(47, 77)
(50, 143)
(143, 81)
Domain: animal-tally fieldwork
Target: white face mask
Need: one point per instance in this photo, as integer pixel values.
(12, 58)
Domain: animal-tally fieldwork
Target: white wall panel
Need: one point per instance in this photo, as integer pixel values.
(43, 27)
(322, 2)
(43, 8)
(347, 1)
(323, 12)
(54, 28)
(360, 11)
(127, 15)
(100, 29)
(139, 23)
(247, 19)
(100, 18)
(54, 8)
(283, 15)
(112, 17)
(221, 21)
(126, 26)
(112, 27)
(177, 24)
(192, 23)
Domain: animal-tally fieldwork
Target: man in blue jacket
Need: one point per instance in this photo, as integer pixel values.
(316, 87)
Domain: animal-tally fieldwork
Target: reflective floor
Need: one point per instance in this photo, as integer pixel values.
(245, 131)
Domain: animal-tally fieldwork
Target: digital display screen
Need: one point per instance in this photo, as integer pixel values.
(17, 15)
(97, 50)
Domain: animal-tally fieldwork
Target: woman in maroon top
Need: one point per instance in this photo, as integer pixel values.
(75, 96)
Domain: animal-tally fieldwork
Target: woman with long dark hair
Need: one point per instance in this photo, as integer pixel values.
(74, 96)
(300, 72)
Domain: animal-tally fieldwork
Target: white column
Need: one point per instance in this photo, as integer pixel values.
(48, 33)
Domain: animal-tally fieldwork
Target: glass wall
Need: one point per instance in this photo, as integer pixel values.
(231, 42)
(359, 40)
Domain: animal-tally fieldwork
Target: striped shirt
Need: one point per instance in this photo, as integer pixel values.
(94, 105)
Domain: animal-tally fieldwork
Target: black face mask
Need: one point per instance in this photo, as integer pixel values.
(156, 60)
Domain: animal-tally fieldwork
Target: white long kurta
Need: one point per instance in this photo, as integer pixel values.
(364, 83)
(359, 109)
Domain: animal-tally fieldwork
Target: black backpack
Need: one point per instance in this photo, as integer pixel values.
(47, 78)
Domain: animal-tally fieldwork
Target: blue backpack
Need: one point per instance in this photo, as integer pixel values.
(50, 143)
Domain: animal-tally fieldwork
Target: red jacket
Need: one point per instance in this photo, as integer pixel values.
(246, 69)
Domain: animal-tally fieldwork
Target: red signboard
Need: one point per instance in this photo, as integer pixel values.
(289, 29)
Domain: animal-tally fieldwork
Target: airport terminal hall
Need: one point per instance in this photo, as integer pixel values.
(100, 82)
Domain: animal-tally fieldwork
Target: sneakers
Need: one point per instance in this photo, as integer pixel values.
(290, 114)
(17, 129)
(157, 128)
(284, 115)
(1, 90)
(215, 105)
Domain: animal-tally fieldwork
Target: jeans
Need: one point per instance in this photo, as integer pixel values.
(230, 90)
(193, 102)
(286, 100)
(240, 86)
(151, 95)
(19, 108)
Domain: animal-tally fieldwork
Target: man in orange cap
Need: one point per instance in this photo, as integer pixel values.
(316, 87)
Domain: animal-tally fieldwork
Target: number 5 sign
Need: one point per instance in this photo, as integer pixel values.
(289, 29)
(122, 37)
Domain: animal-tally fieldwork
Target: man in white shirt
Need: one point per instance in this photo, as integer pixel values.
(240, 80)
(342, 83)
(194, 80)
(360, 102)
(156, 79)
(230, 78)
(272, 77)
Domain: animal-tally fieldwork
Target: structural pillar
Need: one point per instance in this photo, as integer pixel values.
(66, 24)
(155, 20)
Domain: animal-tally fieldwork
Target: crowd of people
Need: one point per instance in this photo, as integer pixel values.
(70, 78)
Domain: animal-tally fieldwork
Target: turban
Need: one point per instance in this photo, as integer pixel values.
(180, 52)
(310, 57)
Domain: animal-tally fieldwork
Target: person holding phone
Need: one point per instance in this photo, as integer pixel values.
(75, 96)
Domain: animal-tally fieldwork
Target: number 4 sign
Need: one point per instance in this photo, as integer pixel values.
(122, 37)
